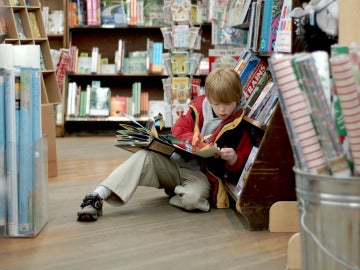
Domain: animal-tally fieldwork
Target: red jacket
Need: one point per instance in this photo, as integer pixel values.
(230, 133)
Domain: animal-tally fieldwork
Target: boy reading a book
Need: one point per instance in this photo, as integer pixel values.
(195, 184)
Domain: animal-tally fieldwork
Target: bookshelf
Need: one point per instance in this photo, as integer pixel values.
(59, 39)
(106, 38)
(50, 93)
(271, 178)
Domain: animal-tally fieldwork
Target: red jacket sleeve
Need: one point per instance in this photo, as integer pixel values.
(183, 128)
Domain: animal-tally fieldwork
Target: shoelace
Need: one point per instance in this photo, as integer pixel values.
(94, 201)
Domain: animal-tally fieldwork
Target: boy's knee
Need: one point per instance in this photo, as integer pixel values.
(194, 201)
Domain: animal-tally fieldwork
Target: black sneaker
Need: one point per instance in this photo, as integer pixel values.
(91, 207)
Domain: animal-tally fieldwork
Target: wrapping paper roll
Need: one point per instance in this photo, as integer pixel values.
(296, 108)
(342, 71)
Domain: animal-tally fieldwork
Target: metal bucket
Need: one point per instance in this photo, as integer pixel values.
(329, 210)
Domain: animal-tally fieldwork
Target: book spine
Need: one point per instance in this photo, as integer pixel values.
(94, 59)
(259, 87)
(262, 95)
(274, 24)
(265, 26)
(249, 68)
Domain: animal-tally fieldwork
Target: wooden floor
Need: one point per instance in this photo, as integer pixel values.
(147, 233)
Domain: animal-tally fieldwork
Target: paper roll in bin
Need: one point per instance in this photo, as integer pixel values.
(329, 210)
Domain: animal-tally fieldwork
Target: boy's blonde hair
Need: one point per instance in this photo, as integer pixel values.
(223, 85)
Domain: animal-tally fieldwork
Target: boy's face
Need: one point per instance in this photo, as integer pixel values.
(223, 110)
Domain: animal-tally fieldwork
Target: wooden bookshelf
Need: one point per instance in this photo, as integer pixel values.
(49, 90)
(271, 178)
(58, 40)
(30, 13)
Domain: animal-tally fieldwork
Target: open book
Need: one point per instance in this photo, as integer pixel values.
(135, 137)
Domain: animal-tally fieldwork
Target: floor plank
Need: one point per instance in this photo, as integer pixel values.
(147, 233)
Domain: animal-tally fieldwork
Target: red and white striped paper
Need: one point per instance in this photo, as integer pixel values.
(299, 114)
(342, 71)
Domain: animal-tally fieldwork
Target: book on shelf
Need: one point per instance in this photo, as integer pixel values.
(237, 13)
(262, 99)
(19, 26)
(93, 12)
(274, 24)
(144, 104)
(34, 25)
(266, 25)
(270, 23)
(157, 52)
(250, 67)
(74, 55)
(84, 64)
(119, 104)
(62, 66)
(136, 136)
(113, 13)
(95, 60)
(223, 58)
(258, 89)
(267, 107)
(136, 99)
(72, 13)
(244, 174)
(257, 25)
(251, 21)
(100, 101)
(254, 78)
(283, 42)
(81, 12)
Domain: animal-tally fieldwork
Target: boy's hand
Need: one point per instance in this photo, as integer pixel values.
(228, 154)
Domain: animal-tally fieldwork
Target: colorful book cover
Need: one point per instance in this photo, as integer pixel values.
(249, 68)
(118, 104)
(254, 78)
(157, 65)
(258, 89)
(266, 25)
(274, 24)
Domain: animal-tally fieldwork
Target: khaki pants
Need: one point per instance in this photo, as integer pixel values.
(147, 168)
